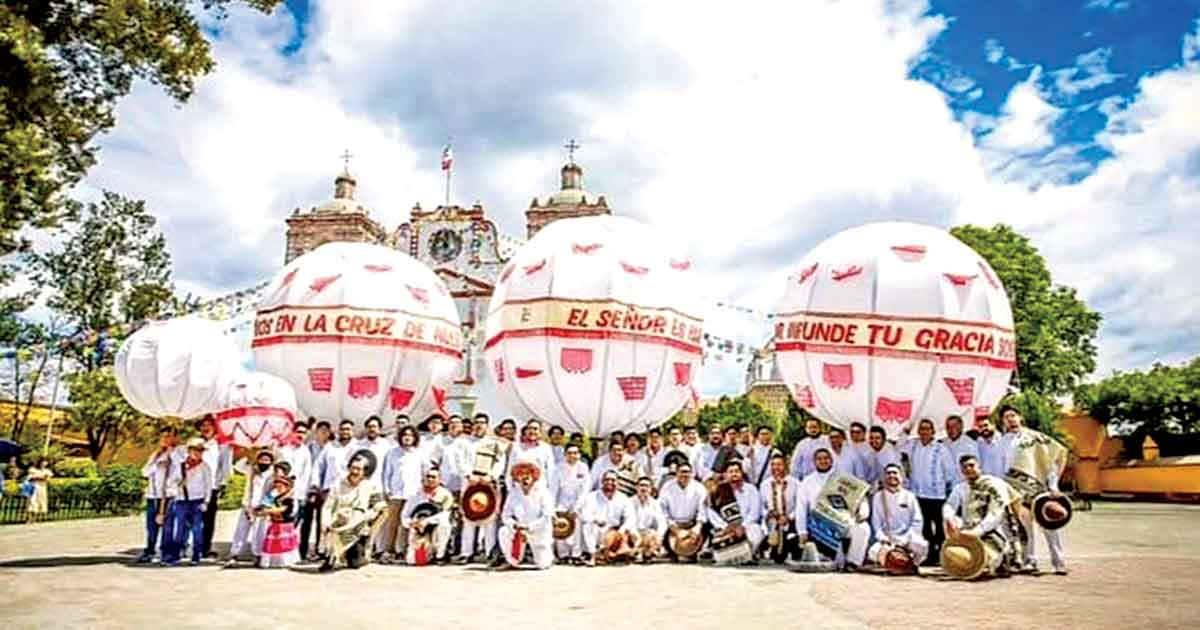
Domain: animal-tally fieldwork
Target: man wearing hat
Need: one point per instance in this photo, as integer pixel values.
(981, 525)
(896, 520)
(530, 448)
(572, 483)
(1033, 463)
(192, 480)
(426, 519)
(683, 502)
(600, 513)
(527, 520)
(810, 493)
(219, 458)
(160, 519)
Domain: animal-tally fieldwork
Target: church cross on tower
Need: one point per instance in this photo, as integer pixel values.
(570, 146)
(346, 155)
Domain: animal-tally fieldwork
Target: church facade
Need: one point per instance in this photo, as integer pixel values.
(463, 246)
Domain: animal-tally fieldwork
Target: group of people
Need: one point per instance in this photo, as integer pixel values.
(462, 490)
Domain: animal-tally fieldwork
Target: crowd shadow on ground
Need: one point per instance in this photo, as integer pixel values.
(126, 557)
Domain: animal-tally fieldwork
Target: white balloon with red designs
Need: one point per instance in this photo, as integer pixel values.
(175, 368)
(595, 325)
(359, 330)
(892, 322)
(256, 410)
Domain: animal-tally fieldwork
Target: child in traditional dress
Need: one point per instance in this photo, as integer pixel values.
(281, 543)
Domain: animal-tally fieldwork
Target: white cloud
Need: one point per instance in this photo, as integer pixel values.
(1089, 72)
(799, 121)
(1112, 6)
(1191, 46)
(993, 50)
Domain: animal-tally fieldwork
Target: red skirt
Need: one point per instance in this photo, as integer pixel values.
(281, 540)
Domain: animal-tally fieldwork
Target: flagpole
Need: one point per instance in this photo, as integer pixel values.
(448, 171)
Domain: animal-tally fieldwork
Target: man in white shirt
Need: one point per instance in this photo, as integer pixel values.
(802, 456)
(455, 464)
(646, 525)
(298, 456)
(601, 515)
(193, 482)
(615, 461)
(896, 519)
(527, 520)
(403, 468)
(335, 457)
(434, 528)
(991, 449)
(879, 456)
(845, 458)
(691, 445)
(374, 441)
(749, 506)
(1039, 456)
(320, 436)
(981, 506)
(160, 518)
(708, 453)
(682, 501)
(219, 458)
(858, 440)
(530, 448)
(651, 458)
(760, 455)
(957, 444)
(780, 493)
(573, 480)
(810, 492)
(558, 443)
(931, 475)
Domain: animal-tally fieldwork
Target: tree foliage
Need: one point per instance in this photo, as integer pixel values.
(1161, 398)
(64, 67)
(100, 412)
(1055, 330)
(112, 267)
(732, 411)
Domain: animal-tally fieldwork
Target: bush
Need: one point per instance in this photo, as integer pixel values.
(76, 468)
(120, 488)
(232, 499)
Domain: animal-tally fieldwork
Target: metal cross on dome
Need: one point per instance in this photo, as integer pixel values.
(570, 146)
(346, 155)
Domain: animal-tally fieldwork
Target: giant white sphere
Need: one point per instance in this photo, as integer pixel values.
(891, 322)
(359, 330)
(175, 368)
(256, 409)
(594, 325)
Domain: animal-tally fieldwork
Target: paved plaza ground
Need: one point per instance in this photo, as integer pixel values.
(1133, 566)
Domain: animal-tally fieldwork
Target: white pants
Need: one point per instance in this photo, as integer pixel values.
(860, 536)
(440, 538)
(1054, 541)
(590, 534)
(539, 544)
(915, 546)
(572, 545)
(248, 533)
(486, 531)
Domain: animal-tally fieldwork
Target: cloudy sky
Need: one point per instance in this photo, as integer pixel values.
(754, 131)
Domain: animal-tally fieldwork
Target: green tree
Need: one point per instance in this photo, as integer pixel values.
(64, 67)
(733, 410)
(1163, 398)
(1055, 330)
(99, 411)
(111, 268)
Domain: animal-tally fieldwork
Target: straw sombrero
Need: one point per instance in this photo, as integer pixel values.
(963, 556)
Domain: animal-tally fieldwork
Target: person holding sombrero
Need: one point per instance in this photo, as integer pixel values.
(896, 521)
(350, 514)
(682, 500)
(249, 531)
(426, 520)
(646, 525)
(527, 520)
(572, 482)
(1033, 463)
(982, 531)
(602, 514)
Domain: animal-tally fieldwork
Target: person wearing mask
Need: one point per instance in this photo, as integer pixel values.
(527, 520)
(249, 530)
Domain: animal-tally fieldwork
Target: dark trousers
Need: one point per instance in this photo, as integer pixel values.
(210, 521)
(158, 536)
(310, 514)
(931, 512)
(789, 549)
(188, 520)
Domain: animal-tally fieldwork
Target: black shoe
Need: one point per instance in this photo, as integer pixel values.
(144, 559)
